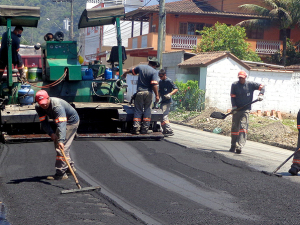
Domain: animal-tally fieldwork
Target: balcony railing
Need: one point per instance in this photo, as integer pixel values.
(184, 41)
(267, 47)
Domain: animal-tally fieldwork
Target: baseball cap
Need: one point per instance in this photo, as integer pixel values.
(242, 74)
(41, 97)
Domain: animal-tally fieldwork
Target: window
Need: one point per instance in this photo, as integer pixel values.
(255, 33)
(288, 34)
(153, 28)
(183, 28)
(191, 28)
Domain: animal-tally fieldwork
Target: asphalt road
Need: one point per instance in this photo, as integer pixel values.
(194, 180)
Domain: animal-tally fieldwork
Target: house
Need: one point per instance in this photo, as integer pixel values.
(184, 17)
(96, 42)
(216, 71)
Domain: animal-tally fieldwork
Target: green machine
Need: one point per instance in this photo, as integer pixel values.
(58, 55)
(99, 101)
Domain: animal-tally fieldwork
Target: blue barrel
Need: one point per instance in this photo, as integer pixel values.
(108, 74)
(26, 94)
(88, 75)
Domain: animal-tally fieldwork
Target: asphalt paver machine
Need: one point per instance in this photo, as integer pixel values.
(99, 101)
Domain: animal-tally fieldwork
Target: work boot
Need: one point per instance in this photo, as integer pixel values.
(232, 149)
(135, 132)
(238, 149)
(168, 133)
(293, 171)
(58, 177)
(146, 131)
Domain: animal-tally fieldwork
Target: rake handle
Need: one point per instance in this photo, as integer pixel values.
(70, 168)
(285, 161)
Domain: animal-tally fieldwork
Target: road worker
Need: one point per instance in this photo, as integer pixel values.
(66, 120)
(242, 94)
(295, 167)
(147, 82)
(16, 57)
(166, 89)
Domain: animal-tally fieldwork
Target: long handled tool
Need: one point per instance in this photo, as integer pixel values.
(219, 115)
(75, 178)
(274, 172)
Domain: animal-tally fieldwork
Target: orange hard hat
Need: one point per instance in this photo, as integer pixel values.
(242, 74)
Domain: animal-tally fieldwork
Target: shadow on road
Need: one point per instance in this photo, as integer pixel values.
(31, 179)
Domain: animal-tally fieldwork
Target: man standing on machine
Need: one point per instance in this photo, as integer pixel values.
(147, 82)
(67, 121)
(16, 57)
(241, 95)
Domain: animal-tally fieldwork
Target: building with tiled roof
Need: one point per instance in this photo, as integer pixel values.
(184, 18)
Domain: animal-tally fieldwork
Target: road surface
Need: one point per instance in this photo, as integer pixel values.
(189, 178)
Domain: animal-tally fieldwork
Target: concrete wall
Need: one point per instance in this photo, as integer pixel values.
(282, 90)
(220, 75)
(282, 87)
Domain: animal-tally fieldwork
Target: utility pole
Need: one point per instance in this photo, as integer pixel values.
(161, 26)
(71, 31)
(71, 28)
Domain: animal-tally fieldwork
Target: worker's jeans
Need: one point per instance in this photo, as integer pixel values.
(165, 124)
(239, 128)
(19, 65)
(142, 110)
(296, 159)
(60, 164)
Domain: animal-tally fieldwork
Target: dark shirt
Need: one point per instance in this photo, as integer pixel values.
(147, 77)
(15, 46)
(242, 94)
(165, 87)
(61, 112)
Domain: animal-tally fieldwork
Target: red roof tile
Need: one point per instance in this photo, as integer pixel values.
(185, 7)
(206, 58)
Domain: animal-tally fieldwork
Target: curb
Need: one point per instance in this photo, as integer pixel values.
(288, 147)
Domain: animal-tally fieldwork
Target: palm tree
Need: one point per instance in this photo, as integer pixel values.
(280, 13)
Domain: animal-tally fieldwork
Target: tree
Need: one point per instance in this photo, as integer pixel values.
(280, 13)
(221, 37)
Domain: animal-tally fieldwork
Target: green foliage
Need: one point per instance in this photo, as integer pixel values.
(189, 97)
(55, 11)
(221, 37)
(282, 14)
(292, 56)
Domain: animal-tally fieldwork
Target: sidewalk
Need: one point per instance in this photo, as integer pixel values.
(256, 155)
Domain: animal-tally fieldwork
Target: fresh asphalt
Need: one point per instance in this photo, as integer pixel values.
(188, 178)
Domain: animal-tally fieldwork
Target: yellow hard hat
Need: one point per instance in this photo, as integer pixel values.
(80, 59)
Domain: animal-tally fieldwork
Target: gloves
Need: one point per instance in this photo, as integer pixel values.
(260, 98)
(155, 105)
(167, 96)
(233, 110)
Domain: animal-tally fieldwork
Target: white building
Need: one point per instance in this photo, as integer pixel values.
(93, 39)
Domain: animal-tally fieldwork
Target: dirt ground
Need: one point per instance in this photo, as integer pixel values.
(264, 129)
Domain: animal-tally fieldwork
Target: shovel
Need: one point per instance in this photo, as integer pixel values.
(219, 115)
(75, 178)
(274, 172)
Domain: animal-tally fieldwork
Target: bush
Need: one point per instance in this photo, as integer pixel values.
(189, 97)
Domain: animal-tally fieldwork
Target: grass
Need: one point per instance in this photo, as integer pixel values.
(182, 115)
(292, 123)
